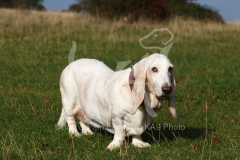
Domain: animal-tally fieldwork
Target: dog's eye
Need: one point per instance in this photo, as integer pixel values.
(170, 69)
(154, 69)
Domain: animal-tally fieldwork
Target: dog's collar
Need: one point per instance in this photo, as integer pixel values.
(131, 78)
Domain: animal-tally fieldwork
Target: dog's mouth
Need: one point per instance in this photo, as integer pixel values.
(163, 97)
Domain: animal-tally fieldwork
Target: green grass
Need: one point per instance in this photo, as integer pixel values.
(34, 50)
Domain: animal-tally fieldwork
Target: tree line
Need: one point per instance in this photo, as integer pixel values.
(156, 10)
(133, 10)
(22, 4)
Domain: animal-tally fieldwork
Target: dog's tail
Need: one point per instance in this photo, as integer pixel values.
(71, 55)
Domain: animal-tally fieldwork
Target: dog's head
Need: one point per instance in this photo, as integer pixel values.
(154, 82)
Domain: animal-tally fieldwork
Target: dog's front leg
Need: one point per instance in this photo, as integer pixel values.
(138, 142)
(119, 134)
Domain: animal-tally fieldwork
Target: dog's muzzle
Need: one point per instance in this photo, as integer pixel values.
(166, 93)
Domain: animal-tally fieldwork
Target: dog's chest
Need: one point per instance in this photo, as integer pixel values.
(138, 119)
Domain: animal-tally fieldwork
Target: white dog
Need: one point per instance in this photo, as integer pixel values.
(121, 102)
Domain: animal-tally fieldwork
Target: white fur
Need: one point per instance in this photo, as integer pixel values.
(98, 96)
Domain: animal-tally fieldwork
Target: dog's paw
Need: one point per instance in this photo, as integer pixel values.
(113, 145)
(85, 129)
(87, 132)
(141, 144)
(74, 133)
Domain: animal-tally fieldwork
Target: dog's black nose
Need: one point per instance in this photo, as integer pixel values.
(166, 89)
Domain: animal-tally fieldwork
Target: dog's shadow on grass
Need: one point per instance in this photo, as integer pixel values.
(156, 133)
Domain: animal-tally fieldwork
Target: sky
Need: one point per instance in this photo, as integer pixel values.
(228, 9)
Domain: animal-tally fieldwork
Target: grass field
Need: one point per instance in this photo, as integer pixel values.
(34, 49)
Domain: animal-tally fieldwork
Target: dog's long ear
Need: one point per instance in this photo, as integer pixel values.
(138, 89)
(171, 103)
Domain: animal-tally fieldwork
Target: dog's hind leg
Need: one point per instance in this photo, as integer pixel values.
(68, 113)
(62, 120)
(72, 126)
(83, 119)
